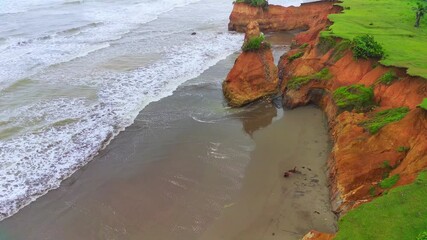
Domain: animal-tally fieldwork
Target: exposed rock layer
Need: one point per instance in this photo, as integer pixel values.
(278, 18)
(357, 160)
(253, 76)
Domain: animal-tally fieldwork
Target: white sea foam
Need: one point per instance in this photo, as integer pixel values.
(38, 160)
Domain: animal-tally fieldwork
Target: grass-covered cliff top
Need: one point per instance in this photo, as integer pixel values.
(398, 214)
(391, 22)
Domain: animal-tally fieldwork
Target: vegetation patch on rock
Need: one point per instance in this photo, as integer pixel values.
(399, 214)
(382, 118)
(296, 82)
(357, 97)
(340, 50)
(255, 43)
(254, 3)
(423, 104)
(389, 182)
(387, 78)
(295, 56)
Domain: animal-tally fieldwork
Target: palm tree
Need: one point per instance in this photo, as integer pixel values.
(420, 10)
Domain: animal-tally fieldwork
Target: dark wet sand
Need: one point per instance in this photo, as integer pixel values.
(191, 168)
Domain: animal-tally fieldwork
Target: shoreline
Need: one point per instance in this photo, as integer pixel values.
(173, 172)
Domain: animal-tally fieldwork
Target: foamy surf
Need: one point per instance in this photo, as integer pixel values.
(75, 129)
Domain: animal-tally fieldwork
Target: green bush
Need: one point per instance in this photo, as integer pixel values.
(295, 56)
(365, 46)
(387, 78)
(297, 82)
(382, 118)
(422, 236)
(255, 43)
(254, 3)
(389, 182)
(423, 104)
(357, 97)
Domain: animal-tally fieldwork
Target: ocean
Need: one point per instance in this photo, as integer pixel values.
(73, 74)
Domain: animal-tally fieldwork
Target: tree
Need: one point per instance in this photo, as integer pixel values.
(420, 10)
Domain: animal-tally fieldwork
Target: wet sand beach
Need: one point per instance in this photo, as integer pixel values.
(192, 168)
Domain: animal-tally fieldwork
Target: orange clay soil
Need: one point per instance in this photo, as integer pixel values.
(253, 76)
(357, 159)
(311, 16)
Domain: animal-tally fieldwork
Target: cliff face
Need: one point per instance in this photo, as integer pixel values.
(277, 18)
(254, 74)
(359, 159)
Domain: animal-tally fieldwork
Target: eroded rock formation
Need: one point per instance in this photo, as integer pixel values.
(253, 76)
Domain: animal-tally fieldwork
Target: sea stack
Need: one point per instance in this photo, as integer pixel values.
(254, 74)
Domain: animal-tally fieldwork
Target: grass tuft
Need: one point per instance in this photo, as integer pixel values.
(357, 97)
(303, 46)
(387, 78)
(340, 50)
(400, 214)
(325, 44)
(254, 3)
(423, 104)
(255, 43)
(296, 82)
(295, 56)
(389, 182)
(403, 149)
(382, 118)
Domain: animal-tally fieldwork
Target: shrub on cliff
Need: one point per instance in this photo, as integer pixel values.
(255, 43)
(295, 56)
(389, 182)
(254, 3)
(356, 97)
(382, 118)
(387, 78)
(296, 82)
(365, 46)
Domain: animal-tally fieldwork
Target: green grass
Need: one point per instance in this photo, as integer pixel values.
(389, 182)
(391, 22)
(382, 118)
(255, 43)
(399, 214)
(357, 97)
(295, 56)
(387, 78)
(423, 104)
(297, 82)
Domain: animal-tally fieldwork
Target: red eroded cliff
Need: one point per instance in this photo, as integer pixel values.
(278, 18)
(357, 160)
(254, 74)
